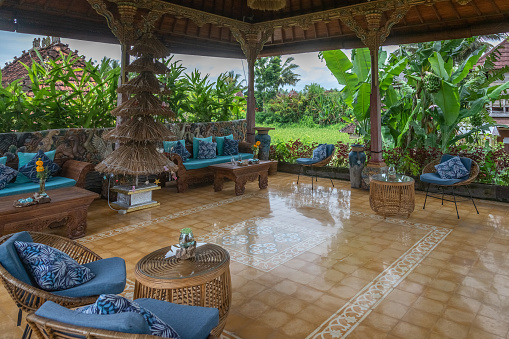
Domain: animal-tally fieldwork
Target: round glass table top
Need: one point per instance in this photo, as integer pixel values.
(384, 177)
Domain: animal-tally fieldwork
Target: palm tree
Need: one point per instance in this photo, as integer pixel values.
(287, 75)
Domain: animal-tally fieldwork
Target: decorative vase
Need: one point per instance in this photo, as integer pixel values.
(42, 186)
(186, 238)
(356, 159)
(264, 148)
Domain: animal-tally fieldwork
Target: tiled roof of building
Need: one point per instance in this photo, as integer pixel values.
(350, 129)
(503, 59)
(15, 70)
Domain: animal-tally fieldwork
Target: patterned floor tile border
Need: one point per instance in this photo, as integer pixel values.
(305, 239)
(346, 319)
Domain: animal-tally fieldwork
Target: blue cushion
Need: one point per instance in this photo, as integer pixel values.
(452, 168)
(112, 304)
(168, 145)
(3, 160)
(195, 145)
(434, 178)
(127, 322)
(10, 259)
(181, 150)
(29, 169)
(307, 161)
(6, 175)
(220, 143)
(25, 158)
(30, 187)
(53, 270)
(204, 319)
(320, 152)
(110, 277)
(467, 162)
(231, 147)
(330, 149)
(206, 150)
(202, 163)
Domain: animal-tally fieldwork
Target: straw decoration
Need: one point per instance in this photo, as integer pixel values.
(145, 82)
(136, 159)
(147, 63)
(267, 5)
(141, 129)
(142, 104)
(149, 45)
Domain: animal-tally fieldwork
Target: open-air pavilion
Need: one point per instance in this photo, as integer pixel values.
(327, 267)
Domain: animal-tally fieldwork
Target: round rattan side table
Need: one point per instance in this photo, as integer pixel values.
(200, 281)
(392, 195)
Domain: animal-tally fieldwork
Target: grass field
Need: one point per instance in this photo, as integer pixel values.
(328, 135)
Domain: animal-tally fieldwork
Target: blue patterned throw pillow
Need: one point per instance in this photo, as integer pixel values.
(452, 169)
(182, 151)
(29, 170)
(6, 175)
(231, 147)
(320, 152)
(206, 150)
(52, 269)
(112, 303)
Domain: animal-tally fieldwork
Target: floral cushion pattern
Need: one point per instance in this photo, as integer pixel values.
(182, 151)
(206, 150)
(231, 147)
(112, 303)
(452, 169)
(6, 175)
(29, 170)
(320, 152)
(53, 270)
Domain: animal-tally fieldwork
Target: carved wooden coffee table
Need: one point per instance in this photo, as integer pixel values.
(68, 204)
(200, 281)
(240, 175)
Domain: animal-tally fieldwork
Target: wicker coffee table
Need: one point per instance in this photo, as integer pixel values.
(201, 281)
(392, 195)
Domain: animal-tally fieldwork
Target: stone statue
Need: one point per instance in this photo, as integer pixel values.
(55, 40)
(46, 42)
(36, 44)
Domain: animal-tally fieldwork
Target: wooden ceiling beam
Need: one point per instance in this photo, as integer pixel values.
(497, 9)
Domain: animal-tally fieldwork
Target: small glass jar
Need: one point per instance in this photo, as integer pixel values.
(391, 171)
(186, 238)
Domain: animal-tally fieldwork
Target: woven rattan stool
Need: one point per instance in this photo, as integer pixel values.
(200, 281)
(392, 195)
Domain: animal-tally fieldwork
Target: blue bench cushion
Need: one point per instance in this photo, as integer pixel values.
(190, 322)
(6, 175)
(30, 187)
(307, 161)
(320, 152)
(202, 163)
(169, 145)
(433, 178)
(127, 322)
(10, 259)
(25, 158)
(110, 277)
(220, 143)
(196, 145)
(330, 149)
(3, 160)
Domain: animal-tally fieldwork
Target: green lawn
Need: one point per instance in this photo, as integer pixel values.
(327, 135)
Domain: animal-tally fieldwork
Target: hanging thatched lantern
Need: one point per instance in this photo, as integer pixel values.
(267, 5)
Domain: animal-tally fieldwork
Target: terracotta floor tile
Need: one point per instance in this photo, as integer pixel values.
(406, 330)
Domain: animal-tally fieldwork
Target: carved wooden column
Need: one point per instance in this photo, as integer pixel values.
(373, 38)
(251, 44)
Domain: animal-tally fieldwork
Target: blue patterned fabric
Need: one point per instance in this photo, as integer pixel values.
(10, 259)
(196, 145)
(320, 152)
(220, 143)
(3, 160)
(206, 150)
(51, 269)
(6, 175)
(231, 147)
(452, 169)
(113, 304)
(25, 158)
(433, 178)
(182, 151)
(168, 145)
(29, 170)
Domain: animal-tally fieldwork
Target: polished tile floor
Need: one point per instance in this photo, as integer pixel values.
(321, 264)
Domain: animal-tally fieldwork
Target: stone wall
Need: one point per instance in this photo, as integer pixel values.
(87, 144)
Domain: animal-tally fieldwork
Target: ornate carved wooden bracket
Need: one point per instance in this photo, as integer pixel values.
(375, 34)
(463, 2)
(126, 28)
(251, 42)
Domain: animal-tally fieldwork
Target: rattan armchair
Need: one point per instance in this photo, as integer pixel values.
(321, 163)
(474, 172)
(29, 298)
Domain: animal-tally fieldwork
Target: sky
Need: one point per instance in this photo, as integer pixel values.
(311, 69)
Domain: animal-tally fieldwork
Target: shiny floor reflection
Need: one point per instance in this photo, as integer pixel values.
(321, 264)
